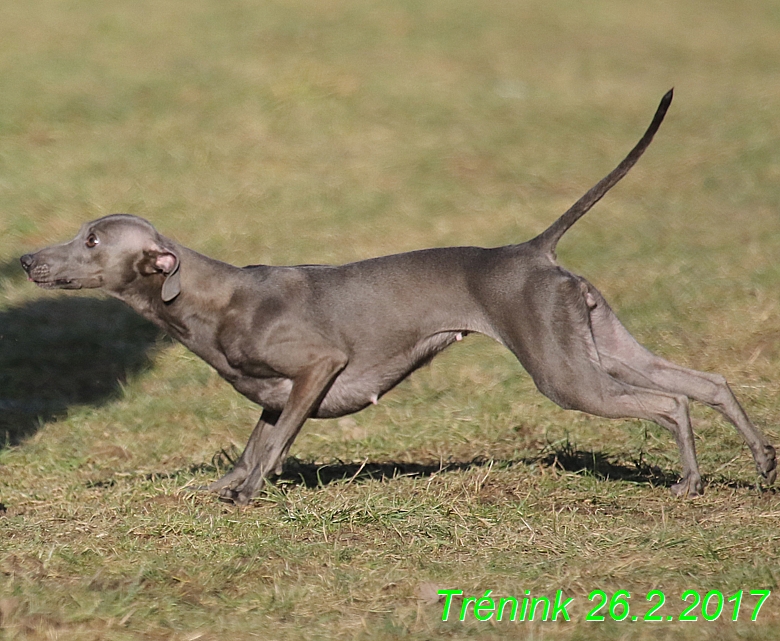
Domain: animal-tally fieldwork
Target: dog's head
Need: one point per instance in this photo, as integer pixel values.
(110, 253)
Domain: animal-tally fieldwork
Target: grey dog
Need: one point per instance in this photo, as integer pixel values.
(317, 341)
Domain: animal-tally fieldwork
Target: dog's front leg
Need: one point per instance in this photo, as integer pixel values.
(249, 458)
(267, 445)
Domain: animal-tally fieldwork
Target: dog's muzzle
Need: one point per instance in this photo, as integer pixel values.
(40, 274)
(27, 260)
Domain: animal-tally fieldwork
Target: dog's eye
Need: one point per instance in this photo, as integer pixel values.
(92, 241)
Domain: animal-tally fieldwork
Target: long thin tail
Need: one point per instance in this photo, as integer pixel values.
(548, 239)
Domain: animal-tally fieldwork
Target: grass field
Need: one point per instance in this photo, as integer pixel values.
(334, 130)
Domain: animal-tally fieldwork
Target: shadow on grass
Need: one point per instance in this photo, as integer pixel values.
(317, 474)
(597, 464)
(313, 475)
(56, 352)
(565, 458)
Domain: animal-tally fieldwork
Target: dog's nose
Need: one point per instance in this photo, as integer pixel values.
(27, 261)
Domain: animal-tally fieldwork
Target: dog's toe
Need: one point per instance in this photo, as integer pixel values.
(230, 481)
(771, 476)
(242, 498)
(689, 487)
(768, 467)
(227, 495)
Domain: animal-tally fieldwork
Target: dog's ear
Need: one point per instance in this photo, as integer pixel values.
(160, 260)
(168, 263)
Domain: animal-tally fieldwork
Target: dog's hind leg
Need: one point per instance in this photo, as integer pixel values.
(556, 346)
(600, 394)
(625, 359)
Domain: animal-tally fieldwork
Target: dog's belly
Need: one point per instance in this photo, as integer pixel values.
(365, 380)
(361, 384)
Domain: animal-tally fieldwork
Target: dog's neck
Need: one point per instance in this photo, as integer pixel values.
(206, 289)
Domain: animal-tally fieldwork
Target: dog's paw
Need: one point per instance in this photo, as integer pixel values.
(230, 481)
(242, 499)
(227, 495)
(238, 494)
(689, 487)
(768, 467)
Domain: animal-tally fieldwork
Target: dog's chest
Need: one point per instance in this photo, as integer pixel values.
(269, 393)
